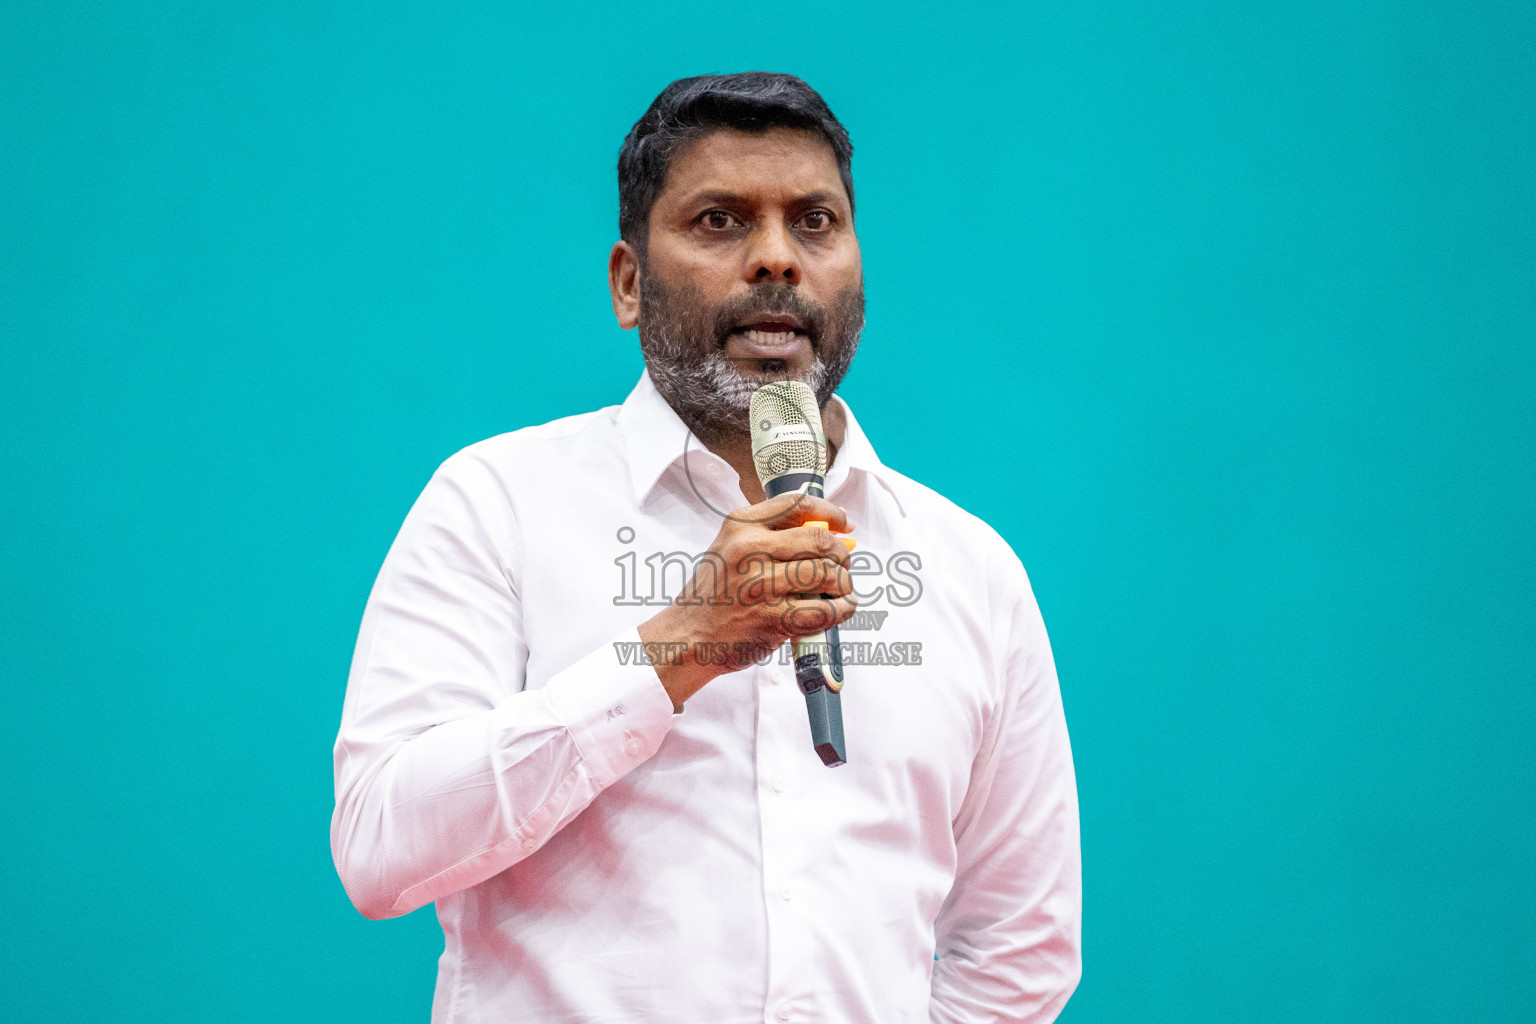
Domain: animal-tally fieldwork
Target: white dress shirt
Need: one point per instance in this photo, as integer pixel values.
(596, 858)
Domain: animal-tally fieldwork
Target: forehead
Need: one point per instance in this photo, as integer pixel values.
(779, 161)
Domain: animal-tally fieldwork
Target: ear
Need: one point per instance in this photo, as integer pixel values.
(624, 283)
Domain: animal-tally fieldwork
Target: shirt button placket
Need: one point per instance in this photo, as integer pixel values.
(780, 717)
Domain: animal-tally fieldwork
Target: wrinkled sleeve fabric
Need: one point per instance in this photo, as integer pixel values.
(449, 771)
(1009, 935)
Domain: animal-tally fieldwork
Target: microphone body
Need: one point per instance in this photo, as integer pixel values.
(789, 452)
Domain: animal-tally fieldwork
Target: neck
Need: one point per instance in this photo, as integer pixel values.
(736, 450)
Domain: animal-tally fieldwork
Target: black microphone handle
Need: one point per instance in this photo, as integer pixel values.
(818, 665)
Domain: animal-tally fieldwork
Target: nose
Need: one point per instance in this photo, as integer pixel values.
(774, 256)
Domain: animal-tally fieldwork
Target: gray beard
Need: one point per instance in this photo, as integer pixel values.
(683, 341)
(713, 397)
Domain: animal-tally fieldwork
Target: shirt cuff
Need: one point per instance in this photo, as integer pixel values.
(614, 707)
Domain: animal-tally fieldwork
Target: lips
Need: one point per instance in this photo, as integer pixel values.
(770, 342)
(769, 336)
(771, 322)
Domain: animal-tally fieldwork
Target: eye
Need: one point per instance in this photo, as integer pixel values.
(816, 220)
(718, 220)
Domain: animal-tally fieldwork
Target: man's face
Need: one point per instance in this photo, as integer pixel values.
(752, 273)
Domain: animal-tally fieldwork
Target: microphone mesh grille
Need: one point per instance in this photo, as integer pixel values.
(786, 403)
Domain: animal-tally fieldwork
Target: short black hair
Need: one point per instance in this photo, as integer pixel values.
(751, 101)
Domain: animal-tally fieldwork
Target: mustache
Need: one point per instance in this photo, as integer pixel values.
(777, 298)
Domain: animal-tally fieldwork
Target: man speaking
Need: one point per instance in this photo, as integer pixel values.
(576, 718)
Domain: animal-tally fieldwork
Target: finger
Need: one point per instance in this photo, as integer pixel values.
(790, 510)
(811, 541)
(771, 510)
(811, 576)
(848, 542)
(773, 583)
(788, 546)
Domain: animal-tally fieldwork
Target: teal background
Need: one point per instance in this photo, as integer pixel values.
(1225, 313)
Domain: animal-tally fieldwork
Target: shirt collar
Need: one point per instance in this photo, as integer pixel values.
(655, 438)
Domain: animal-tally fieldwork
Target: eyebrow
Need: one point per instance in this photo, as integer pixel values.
(725, 198)
(817, 197)
(715, 196)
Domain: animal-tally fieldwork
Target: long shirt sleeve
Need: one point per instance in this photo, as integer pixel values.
(448, 770)
(1009, 935)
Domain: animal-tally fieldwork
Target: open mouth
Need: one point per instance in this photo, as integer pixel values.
(766, 337)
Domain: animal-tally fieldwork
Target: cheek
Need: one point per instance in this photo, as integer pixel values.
(842, 269)
(712, 275)
(712, 279)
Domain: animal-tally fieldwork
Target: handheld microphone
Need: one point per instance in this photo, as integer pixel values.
(789, 451)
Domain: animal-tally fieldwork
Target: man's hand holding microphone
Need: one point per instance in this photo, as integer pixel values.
(759, 585)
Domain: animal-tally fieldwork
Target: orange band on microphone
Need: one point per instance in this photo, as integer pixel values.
(816, 522)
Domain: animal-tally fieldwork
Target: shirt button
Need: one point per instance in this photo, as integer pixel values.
(783, 1012)
(631, 745)
(786, 892)
(528, 845)
(778, 784)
